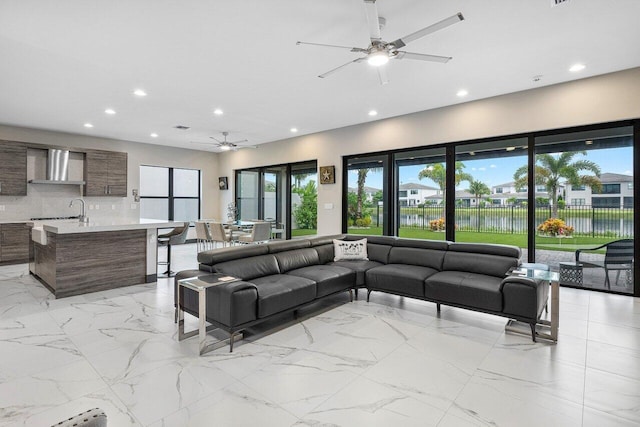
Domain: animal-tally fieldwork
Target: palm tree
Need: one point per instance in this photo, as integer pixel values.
(362, 178)
(438, 174)
(478, 189)
(551, 168)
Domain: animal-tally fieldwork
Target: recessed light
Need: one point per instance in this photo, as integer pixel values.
(218, 112)
(110, 111)
(462, 93)
(293, 130)
(139, 92)
(88, 125)
(576, 67)
(154, 135)
(373, 113)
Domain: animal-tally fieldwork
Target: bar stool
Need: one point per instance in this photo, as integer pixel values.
(204, 241)
(177, 236)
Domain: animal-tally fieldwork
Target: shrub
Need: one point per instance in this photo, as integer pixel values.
(555, 227)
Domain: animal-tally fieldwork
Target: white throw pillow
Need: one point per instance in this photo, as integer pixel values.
(350, 250)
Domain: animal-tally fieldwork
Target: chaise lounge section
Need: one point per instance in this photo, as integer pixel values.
(285, 276)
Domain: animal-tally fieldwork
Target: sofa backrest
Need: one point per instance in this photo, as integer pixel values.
(296, 258)
(287, 245)
(250, 267)
(378, 247)
(493, 260)
(215, 256)
(425, 253)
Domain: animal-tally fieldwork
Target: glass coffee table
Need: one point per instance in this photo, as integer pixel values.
(545, 329)
(200, 285)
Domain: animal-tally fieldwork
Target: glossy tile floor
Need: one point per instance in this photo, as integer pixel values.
(392, 361)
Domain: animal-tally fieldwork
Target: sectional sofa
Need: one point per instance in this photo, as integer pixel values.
(281, 277)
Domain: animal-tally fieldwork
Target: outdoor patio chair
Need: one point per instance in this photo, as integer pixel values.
(618, 257)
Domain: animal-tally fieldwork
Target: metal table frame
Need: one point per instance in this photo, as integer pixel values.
(545, 329)
(201, 287)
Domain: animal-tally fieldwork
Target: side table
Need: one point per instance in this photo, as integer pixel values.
(200, 285)
(570, 273)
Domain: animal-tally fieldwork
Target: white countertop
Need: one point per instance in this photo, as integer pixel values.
(70, 226)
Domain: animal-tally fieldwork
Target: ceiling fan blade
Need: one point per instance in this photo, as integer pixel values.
(373, 20)
(382, 75)
(328, 73)
(422, 57)
(401, 42)
(352, 49)
(210, 144)
(238, 142)
(216, 140)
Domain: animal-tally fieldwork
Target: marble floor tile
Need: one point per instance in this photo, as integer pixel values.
(619, 336)
(617, 360)
(155, 394)
(236, 405)
(613, 394)
(364, 403)
(594, 418)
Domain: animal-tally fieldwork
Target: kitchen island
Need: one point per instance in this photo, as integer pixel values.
(73, 258)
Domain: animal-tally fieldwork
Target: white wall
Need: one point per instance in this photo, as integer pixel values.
(598, 99)
(53, 200)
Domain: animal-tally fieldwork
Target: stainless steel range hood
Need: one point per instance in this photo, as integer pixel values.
(57, 169)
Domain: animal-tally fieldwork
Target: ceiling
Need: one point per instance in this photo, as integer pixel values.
(65, 62)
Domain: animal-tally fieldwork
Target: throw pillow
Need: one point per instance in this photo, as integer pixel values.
(350, 250)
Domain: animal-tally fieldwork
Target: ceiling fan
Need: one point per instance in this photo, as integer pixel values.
(227, 145)
(379, 52)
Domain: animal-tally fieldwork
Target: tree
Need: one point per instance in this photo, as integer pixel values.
(306, 213)
(478, 189)
(551, 168)
(438, 174)
(362, 179)
(298, 177)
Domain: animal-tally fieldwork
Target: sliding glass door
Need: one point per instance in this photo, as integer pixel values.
(367, 189)
(584, 207)
(304, 199)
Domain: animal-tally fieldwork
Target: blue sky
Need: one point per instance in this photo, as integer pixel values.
(500, 170)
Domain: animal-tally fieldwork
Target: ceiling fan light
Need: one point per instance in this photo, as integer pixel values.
(225, 147)
(378, 58)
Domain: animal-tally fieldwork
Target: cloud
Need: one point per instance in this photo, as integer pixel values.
(628, 172)
(482, 169)
(493, 166)
(473, 169)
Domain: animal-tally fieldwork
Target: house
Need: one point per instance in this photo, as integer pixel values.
(616, 192)
(183, 110)
(508, 194)
(413, 194)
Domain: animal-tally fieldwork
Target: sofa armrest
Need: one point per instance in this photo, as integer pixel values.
(229, 304)
(524, 298)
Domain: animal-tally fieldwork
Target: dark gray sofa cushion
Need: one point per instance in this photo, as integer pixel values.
(378, 253)
(465, 288)
(325, 253)
(439, 245)
(479, 263)
(329, 278)
(287, 245)
(524, 298)
(400, 279)
(359, 266)
(280, 292)
(297, 258)
(431, 258)
(215, 256)
(249, 268)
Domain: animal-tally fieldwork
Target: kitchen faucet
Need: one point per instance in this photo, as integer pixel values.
(83, 217)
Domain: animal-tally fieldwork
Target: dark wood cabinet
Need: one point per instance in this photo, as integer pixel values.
(13, 169)
(14, 243)
(105, 174)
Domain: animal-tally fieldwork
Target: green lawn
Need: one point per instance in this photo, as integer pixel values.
(520, 240)
(303, 232)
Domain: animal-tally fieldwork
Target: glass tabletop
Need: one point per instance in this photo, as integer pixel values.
(535, 273)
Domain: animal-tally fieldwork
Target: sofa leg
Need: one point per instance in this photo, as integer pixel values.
(368, 293)
(350, 295)
(533, 331)
(231, 336)
(295, 314)
(546, 308)
(356, 292)
(438, 307)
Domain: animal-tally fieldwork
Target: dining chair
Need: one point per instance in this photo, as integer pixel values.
(220, 234)
(204, 241)
(260, 233)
